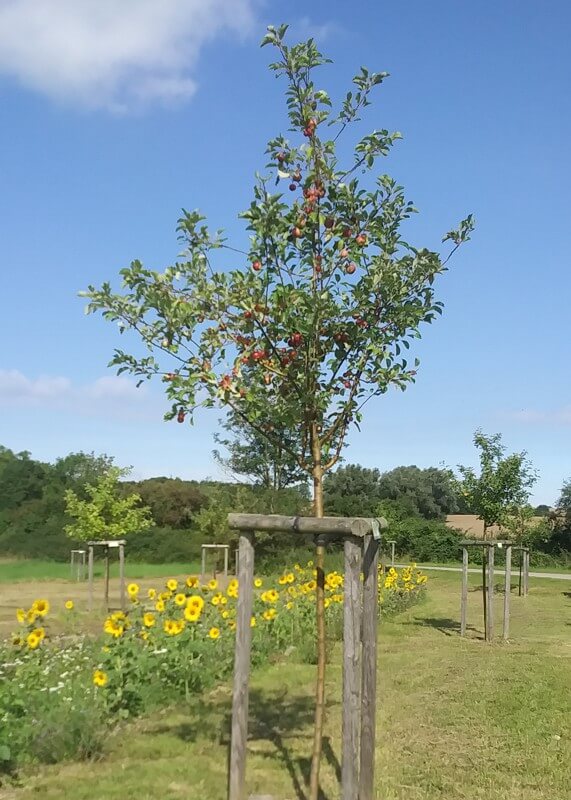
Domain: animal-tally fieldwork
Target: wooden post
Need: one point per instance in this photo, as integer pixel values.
(90, 579)
(122, 575)
(464, 599)
(225, 562)
(525, 572)
(239, 735)
(507, 591)
(490, 632)
(106, 578)
(520, 571)
(351, 668)
(393, 553)
(369, 684)
(203, 564)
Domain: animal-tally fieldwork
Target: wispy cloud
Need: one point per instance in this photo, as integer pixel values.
(557, 416)
(110, 395)
(114, 54)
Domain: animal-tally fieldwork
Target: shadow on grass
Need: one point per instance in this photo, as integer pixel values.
(443, 624)
(275, 717)
(566, 594)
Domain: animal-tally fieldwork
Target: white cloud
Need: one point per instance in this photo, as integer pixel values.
(557, 416)
(115, 54)
(110, 395)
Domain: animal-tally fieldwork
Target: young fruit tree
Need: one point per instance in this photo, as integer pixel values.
(316, 317)
(502, 487)
(106, 513)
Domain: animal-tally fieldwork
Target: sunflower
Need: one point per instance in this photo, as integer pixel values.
(113, 627)
(180, 599)
(258, 582)
(40, 633)
(33, 641)
(270, 614)
(282, 580)
(212, 584)
(69, 605)
(233, 584)
(17, 641)
(133, 590)
(100, 678)
(225, 614)
(21, 616)
(191, 614)
(152, 593)
(195, 601)
(149, 619)
(290, 577)
(31, 617)
(160, 606)
(41, 607)
(170, 627)
(191, 582)
(252, 622)
(289, 605)
(216, 600)
(172, 585)
(214, 633)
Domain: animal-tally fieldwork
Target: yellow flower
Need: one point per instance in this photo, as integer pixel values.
(173, 627)
(191, 582)
(100, 678)
(290, 577)
(41, 607)
(164, 596)
(233, 584)
(172, 585)
(212, 584)
(133, 589)
(21, 616)
(191, 614)
(195, 601)
(144, 635)
(152, 593)
(252, 622)
(270, 614)
(69, 605)
(289, 605)
(17, 641)
(31, 617)
(232, 625)
(297, 567)
(40, 633)
(225, 614)
(327, 602)
(311, 586)
(180, 599)
(214, 633)
(223, 601)
(160, 606)
(148, 619)
(33, 641)
(282, 580)
(113, 628)
(310, 564)
(258, 583)
(216, 600)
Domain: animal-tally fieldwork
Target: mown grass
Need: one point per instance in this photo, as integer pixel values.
(458, 718)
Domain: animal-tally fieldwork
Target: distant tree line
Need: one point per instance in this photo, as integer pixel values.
(187, 513)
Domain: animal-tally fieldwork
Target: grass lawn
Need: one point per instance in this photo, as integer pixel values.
(458, 719)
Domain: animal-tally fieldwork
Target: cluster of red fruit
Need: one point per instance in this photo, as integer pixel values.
(181, 415)
(310, 127)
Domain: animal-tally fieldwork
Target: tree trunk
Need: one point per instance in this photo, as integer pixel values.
(320, 621)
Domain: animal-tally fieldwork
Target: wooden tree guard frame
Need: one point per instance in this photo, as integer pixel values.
(360, 621)
(204, 548)
(508, 546)
(78, 564)
(107, 545)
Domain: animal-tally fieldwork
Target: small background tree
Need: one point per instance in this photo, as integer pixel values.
(501, 488)
(107, 513)
(317, 313)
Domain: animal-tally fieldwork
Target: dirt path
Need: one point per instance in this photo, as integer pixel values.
(559, 576)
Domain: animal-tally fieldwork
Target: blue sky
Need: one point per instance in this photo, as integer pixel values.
(114, 116)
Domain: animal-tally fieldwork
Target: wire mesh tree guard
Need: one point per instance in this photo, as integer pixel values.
(106, 545)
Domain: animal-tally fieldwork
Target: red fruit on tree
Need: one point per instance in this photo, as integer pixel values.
(267, 378)
(344, 253)
(347, 384)
(295, 339)
(180, 416)
(350, 268)
(329, 222)
(347, 233)
(256, 266)
(281, 157)
(296, 175)
(296, 232)
(361, 240)
(292, 187)
(247, 315)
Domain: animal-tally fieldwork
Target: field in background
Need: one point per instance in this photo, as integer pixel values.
(459, 719)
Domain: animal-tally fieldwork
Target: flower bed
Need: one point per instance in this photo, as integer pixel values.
(59, 695)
